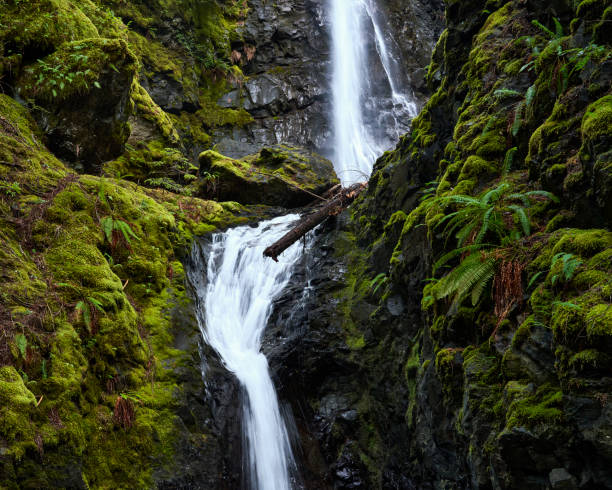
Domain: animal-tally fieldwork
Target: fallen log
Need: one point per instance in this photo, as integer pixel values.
(332, 207)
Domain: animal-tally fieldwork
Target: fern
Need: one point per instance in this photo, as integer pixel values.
(113, 228)
(107, 227)
(22, 344)
(472, 274)
(570, 264)
(503, 93)
(125, 230)
(529, 95)
(456, 252)
(508, 160)
(544, 29)
(522, 216)
(378, 281)
(518, 118)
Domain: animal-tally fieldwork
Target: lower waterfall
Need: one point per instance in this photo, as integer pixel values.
(235, 306)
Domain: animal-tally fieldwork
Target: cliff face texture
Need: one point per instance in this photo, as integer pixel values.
(458, 331)
(452, 330)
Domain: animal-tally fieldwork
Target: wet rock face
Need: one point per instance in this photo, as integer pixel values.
(91, 125)
(349, 398)
(207, 450)
(416, 26)
(287, 60)
(288, 75)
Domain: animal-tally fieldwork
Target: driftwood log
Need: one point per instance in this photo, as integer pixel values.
(333, 206)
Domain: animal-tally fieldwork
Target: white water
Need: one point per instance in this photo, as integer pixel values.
(242, 284)
(357, 141)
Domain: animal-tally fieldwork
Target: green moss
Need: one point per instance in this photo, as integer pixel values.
(149, 110)
(544, 407)
(589, 359)
(597, 120)
(582, 242)
(77, 67)
(17, 402)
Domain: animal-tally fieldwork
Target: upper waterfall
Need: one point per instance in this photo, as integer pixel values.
(363, 125)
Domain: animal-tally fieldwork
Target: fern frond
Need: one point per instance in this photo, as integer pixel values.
(508, 159)
(558, 27)
(485, 225)
(518, 118)
(482, 283)
(125, 229)
(494, 193)
(543, 28)
(530, 95)
(505, 92)
(546, 194)
(464, 233)
(107, 227)
(519, 211)
(465, 276)
(458, 251)
(521, 197)
(569, 268)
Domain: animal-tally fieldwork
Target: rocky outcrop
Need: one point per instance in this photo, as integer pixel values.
(81, 79)
(277, 176)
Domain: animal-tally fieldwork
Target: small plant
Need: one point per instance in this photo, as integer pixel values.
(495, 214)
(570, 264)
(211, 182)
(378, 281)
(11, 189)
(88, 309)
(482, 223)
(117, 231)
(471, 276)
(22, 344)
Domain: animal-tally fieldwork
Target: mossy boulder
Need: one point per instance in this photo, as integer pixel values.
(278, 176)
(83, 94)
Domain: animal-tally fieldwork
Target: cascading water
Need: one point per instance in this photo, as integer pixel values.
(237, 302)
(358, 142)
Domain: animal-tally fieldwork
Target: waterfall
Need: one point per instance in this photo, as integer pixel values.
(356, 112)
(237, 303)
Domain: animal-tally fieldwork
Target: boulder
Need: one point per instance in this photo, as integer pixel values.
(82, 96)
(278, 176)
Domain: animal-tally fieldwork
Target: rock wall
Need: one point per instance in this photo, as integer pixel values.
(420, 375)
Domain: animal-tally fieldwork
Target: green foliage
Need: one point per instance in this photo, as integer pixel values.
(10, 189)
(509, 160)
(570, 264)
(503, 93)
(471, 276)
(115, 229)
(378, 281)
(86, 309)
(479, 217)
(22, 344)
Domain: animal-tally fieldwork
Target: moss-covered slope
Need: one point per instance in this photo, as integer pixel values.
(91, 281)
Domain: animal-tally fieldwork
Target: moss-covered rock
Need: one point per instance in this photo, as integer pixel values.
(279, 176)
(83, 91)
